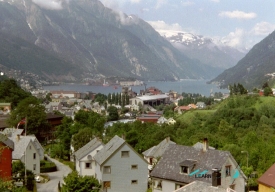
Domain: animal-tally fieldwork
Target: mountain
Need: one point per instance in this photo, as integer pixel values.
(208, 51)
(83, 39)
(256, 68)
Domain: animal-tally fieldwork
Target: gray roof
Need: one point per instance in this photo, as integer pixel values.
(157, 151)
(109, 149)
(12, 131)
(169, 165)
(86, 149)
(20, 146)
(4, 139)
(200, 186)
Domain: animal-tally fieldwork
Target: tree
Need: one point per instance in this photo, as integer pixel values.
(10, 92)
(34, 111)
(113, 114)
(267, 91)
(83, 137)
(74, 182)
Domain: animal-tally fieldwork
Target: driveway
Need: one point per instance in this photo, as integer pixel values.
(55, 177)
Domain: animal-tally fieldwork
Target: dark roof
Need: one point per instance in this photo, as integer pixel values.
(86, 149)
(4, 139)
(176, 155)
(157, 151)
(109, 149)
(268, 178)
(53, 116)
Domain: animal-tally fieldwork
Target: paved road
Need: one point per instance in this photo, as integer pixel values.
(55, 177)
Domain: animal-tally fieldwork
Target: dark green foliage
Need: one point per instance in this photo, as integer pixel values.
(189, 98)
(34, 111)
(75, 182)
(83, 137)
(100, 98)
(47, 166)
(113, 114)
(10, 92)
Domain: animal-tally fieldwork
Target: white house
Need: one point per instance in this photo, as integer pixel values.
(28, 145)
(181, 165)
(84, 157)
(120, 168)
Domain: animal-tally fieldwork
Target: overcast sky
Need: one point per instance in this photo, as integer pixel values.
(242, 23)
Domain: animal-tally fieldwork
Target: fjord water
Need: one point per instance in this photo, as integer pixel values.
(187, 86)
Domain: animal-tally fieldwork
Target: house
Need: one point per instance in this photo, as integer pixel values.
(201, 105)
(53, 106)
(6, 148)
(152, 100)
(30, 146)
(181, 165)
(120, 168)
(192, 106)
(267, 180)
(154, 153)
(84, 157)
(171, 121)
(201, 186)
(180, 109)
(162, 120)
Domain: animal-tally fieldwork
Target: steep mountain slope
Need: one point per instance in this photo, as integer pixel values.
(254, 69)
(97, 41)
(208, 51)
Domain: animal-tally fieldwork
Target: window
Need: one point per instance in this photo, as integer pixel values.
(34, 167)
(34, 156)
(134, 182)
(107, 169)
(232, 186)
(159, 185)
(30, 147)
(134, 166)
(88, 165)
(177, 186)
(124, 153)
(184, 169)
(106, 184)
(228, 170)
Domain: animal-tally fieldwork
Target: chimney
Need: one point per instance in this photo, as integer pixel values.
(216, 177)
(167, 139)
(123, 137)
(18, 137)
(205, 145)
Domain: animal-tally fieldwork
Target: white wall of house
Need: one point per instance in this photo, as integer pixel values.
(126, 173)
(229, 180)
(32, 158)
(86, 166)
(165, 185)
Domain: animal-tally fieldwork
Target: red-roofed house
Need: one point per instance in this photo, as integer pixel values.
(267, 180)
(6, 148)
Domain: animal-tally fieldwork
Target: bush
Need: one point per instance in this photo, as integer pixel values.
(47, 166)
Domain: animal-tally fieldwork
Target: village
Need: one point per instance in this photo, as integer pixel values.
(116, 165)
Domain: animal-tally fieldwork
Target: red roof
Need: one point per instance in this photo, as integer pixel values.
(268, 178)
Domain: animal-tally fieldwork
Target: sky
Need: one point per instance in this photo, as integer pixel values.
(239, 23)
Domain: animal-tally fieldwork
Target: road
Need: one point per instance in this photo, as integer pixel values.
(55, 177)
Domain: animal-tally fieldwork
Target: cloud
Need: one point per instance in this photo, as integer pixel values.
(263, 28)
(161, 25)
(135, 1)
(160, 3)
(235, 39)
(187, 3)
(238, 14)
(49, 4)
(216, 1)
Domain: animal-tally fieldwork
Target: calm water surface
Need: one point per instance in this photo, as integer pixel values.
(187, 86)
